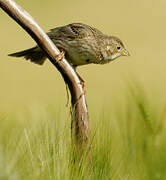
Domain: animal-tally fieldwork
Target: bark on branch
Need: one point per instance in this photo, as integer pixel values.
(79, 112)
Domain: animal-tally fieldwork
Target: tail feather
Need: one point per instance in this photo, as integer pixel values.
(34, 54)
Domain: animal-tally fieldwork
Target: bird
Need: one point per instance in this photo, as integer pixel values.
(81, 43)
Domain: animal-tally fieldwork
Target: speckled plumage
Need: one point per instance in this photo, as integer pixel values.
(82, 44)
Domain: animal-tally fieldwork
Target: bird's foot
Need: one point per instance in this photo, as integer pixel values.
(82, 82)
(83, 85)
(60, 56)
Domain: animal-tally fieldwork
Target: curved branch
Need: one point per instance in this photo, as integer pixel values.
(80, 112)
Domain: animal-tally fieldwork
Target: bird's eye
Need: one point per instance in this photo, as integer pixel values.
(118, 47)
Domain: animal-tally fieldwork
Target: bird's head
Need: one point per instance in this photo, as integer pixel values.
(115, 48)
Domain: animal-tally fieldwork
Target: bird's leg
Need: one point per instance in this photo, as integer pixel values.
(60, 56)
(81, 80)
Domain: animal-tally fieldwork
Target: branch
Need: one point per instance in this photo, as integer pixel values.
(80, 112)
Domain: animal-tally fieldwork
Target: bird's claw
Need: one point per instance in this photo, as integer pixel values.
(60, 56)
(83, 86)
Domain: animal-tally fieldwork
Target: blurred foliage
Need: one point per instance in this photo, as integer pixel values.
(128, 142)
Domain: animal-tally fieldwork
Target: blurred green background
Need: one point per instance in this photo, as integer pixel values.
(140, 24)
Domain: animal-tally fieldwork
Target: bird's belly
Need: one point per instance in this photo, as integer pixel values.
(79, 56)
(78, 59)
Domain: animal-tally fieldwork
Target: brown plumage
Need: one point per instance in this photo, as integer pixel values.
(82, 44)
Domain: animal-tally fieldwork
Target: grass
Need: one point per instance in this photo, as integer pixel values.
(128, 142)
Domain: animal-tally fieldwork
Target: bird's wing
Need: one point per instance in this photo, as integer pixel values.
(73, 31)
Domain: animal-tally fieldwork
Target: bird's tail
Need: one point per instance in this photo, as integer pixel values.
(34, 54)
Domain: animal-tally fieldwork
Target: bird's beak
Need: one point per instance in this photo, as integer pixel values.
(125, 52)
